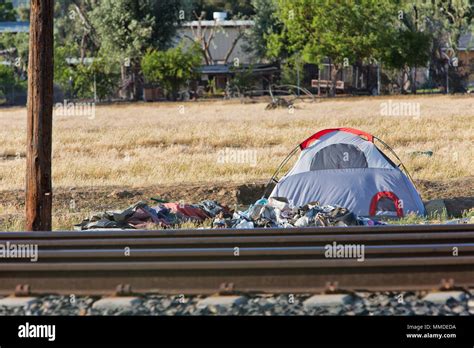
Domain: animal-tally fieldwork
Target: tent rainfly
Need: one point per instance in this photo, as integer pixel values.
(344, 167)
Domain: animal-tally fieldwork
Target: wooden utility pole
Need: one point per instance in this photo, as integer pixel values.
(40, 117)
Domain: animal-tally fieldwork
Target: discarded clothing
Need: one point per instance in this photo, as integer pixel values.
(144, 216)
(272, 212)
(136, 215)
(164, 215)
(212, 208)
(278, 212)
(187, 212)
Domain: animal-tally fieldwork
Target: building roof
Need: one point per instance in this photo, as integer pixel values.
(224, 69)
(226, 23)
(466, 42)
(14, 27)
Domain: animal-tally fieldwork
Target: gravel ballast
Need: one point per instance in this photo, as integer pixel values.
(361, 304)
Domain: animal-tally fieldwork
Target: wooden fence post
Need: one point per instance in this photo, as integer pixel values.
(39, 117)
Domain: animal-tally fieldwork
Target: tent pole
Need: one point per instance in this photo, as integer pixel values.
(398, 158)
(282, 164)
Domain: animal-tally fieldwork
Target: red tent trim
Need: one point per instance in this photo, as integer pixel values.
(319, 134)
(386, 194)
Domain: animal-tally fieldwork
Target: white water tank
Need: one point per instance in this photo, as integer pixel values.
(219, 16)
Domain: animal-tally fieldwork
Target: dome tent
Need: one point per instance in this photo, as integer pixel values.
(344, 167)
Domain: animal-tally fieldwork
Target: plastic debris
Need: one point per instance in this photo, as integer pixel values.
(278, 212)
(275, 212)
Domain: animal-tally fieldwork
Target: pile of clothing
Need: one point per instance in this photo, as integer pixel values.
(272, 212)
(164, 215)
(278, 212)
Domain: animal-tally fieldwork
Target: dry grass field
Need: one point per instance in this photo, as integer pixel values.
(142, 145)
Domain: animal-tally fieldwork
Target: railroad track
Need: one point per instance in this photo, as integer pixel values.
(414, 257)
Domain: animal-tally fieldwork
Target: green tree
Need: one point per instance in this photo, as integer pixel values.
(15, 46)
(100, 75)
(7, 12)
(80, 80)
(125, 27)
(447, 20)
(171, 68)
(64, 73)
(128, 28)
(411, 44)
(266, 24)
(426, 31)
(73, 27)
(7, 80)
(7, 75)
(133, 26)
(346, 31)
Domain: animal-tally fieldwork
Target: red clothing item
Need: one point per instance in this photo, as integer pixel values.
(141, 218)
(187, 210)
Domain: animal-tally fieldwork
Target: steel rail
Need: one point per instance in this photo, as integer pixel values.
(382, 250)
(281, 276)
(270, 240)
(379, 229)
(240, 264)
(271, 260)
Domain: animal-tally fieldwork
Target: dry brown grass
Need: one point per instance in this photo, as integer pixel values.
(143, 145)
(149, 144)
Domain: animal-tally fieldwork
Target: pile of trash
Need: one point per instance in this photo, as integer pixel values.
(272, 212)
(164, 215)
(278, 212)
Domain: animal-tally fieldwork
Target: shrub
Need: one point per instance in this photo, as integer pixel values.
(106, 79)
(171, 68)
(7, 76)
(78, 81)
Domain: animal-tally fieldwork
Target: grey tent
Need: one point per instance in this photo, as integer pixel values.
(343, 166)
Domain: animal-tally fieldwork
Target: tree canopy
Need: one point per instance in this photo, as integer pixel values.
(171, 68)
(266, 24)
(401, 34)
(7, 12)
(342, 31)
